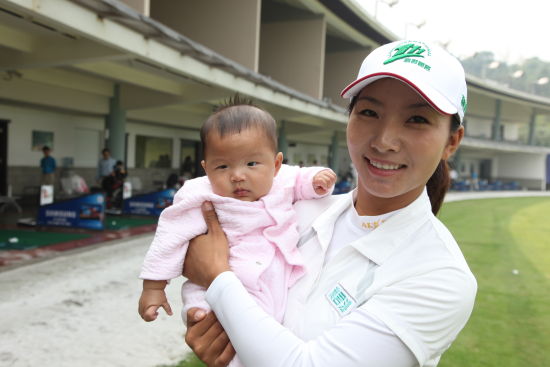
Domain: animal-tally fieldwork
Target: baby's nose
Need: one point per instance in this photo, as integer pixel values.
(237, 176)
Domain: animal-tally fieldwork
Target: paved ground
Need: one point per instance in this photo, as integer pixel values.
(79, 308)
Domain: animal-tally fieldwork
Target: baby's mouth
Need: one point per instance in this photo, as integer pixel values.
(241, 192)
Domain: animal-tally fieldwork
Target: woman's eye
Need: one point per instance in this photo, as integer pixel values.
(252, 164)
(418, 120)
(367, 112)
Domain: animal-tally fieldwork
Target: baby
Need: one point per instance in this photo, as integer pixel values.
(253, 194)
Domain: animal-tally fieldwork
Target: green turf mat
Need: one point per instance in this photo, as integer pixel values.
(115, 223)
(24, 240)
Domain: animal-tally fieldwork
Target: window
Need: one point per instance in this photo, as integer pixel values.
(153, 152)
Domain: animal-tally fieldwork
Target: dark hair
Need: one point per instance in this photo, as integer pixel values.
(105, 150)
(236, 115)
(45, 147)
(439, 182)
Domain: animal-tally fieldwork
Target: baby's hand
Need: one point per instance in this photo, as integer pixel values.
(324, 181)
(149, 303)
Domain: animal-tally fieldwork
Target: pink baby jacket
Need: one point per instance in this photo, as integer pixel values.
(262, 237)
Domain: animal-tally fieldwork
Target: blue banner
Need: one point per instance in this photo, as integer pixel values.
(149, 204)
(83, 212)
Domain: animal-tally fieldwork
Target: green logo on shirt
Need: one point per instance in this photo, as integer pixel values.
(340, 300)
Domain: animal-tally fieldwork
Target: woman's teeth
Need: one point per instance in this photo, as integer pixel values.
(385, 166)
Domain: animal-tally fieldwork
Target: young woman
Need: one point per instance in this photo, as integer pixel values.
(386, 283)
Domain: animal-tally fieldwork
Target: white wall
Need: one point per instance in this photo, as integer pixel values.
(511, 132)
(478, 127)
(63, 125)
(75, 136)
(137, 128)
(526, 166)
(307, 153)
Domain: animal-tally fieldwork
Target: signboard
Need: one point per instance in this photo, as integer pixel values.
(127, 190)
(149, 204)
(46, 194)
(83, 212)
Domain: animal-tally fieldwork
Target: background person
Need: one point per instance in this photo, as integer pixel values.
(105, 166)
(386, 283)
(48, 167)
(113, 185)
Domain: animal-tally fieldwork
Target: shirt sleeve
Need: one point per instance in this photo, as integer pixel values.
(359, 339)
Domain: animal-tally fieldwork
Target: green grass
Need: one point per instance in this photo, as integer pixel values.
(510, 324)
(190, 361)
(24, 240)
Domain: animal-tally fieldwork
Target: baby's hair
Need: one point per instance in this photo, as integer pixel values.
(238, 114)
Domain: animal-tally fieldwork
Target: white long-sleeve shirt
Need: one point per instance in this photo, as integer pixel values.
(403, 290)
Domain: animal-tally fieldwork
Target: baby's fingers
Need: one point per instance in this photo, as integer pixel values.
(150, 313)
(167, 308)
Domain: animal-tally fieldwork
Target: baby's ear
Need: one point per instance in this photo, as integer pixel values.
(203, 164)
(278, 162)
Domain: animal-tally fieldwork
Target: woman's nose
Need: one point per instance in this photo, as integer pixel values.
(386, 138)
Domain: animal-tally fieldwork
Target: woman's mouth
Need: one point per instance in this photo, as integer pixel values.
(383, 168)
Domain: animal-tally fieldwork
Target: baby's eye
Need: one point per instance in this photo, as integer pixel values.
(418, 120)
(222, 166)
(251, 164)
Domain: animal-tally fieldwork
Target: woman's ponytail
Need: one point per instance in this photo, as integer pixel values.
(440, 181)
(438, 185)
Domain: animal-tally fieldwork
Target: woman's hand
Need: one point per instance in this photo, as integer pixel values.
(208, 254)
(207, 339)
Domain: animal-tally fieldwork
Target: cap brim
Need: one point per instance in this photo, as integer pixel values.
(432, 96)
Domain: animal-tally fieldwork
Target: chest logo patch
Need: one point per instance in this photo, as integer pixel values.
(341, 300)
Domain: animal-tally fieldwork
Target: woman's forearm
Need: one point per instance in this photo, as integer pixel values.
(259, 340)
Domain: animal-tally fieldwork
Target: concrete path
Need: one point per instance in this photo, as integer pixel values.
(79, 309)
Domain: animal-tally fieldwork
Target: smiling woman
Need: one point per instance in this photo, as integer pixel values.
(386, 283)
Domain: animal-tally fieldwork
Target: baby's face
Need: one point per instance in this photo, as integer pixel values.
(241, 166)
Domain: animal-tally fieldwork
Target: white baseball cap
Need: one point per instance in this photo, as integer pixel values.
(429, 69)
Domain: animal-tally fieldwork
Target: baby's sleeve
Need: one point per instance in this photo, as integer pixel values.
(177, 225)
(303, 183)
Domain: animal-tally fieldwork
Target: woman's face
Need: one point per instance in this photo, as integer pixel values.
(395, 140)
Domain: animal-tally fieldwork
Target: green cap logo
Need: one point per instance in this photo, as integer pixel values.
(464, 104)
(406, 50)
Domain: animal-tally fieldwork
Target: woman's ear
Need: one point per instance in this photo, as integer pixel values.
(452, 144)
(278, 162)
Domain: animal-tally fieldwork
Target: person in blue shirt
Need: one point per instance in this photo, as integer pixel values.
(105, 166)
(48, 166)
